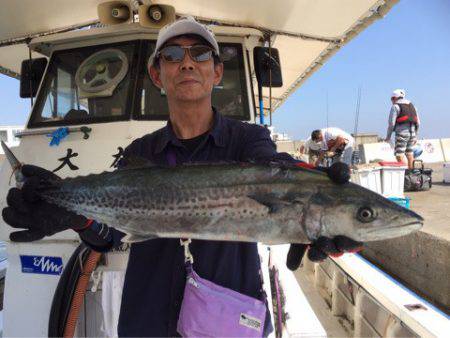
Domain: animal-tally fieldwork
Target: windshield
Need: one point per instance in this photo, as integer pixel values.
(97, 84)
(86, 85)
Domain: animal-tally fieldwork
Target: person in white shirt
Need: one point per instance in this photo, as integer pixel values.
(312, 149)
(330, 142)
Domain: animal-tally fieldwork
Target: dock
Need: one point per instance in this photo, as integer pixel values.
(421, 261)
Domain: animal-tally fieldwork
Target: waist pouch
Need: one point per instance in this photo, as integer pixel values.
(210, 310)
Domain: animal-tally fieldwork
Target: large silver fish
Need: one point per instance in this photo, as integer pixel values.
(270, 203)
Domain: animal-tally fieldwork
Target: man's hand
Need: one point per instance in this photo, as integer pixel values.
(39, 219)
(321, 249)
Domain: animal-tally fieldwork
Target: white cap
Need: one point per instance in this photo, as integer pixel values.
(184, 25)
(398, 93)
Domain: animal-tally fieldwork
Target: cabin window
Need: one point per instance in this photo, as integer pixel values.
(229, 97)
(110, 82)
(86, 85)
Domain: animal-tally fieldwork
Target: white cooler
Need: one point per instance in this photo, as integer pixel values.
(367, 176)
(392, 178)
(446, 172)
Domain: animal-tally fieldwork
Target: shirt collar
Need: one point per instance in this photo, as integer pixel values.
(216, 132)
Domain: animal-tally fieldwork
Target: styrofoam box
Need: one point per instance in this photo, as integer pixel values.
(392, 179)
(447, 172)
(369, 178)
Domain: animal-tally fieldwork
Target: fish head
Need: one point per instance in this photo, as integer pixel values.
(364, 215)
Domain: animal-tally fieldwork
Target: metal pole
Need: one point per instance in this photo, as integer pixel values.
(261, 105)
(270, 79)
(30, 73)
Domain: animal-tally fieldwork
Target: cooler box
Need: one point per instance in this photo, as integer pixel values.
(368, 177)
(447, 172)
(404, 202)
(392, 178)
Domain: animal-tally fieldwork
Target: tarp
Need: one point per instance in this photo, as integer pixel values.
(306, 32)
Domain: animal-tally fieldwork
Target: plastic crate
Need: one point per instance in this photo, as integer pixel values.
(402, 201)
(369, 178)
(392, 178)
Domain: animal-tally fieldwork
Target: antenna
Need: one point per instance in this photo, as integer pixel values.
(358, 104)
(355, 154)
(327, 110)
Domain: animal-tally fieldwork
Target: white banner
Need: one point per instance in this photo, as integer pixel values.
(432, 151)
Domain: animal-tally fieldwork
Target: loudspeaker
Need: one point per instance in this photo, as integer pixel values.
(156, 16)
(114, 12)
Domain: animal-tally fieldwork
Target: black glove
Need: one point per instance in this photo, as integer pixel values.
(27, 211)
(339, 172)
(321, 249)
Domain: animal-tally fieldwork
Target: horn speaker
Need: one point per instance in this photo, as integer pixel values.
(114, 12)
(156, 16)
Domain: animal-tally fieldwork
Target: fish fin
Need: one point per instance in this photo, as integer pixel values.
(133, 162)
(274, 203)
(211, 164)
(130, 238)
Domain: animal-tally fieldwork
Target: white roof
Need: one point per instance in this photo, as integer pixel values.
(306, 32)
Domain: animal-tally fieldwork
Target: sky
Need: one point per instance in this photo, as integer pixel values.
(408, 49)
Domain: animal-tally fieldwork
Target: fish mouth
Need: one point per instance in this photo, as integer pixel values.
(415, 215)
(392, 231)
(406, 212)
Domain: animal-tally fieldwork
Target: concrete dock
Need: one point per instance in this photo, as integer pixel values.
(421, 261)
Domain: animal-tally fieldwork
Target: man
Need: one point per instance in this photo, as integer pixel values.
(186, 65)
(404, 120)
(313, 149)
(331, 142)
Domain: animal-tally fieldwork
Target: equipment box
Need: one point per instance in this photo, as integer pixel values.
(447, 172)
(367, 176)
(392, 178)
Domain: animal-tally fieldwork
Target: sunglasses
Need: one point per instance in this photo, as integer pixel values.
(198, 53)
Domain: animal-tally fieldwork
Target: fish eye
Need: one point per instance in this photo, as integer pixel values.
(366, 214)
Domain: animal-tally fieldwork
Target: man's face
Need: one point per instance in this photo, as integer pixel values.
(186, 80)
(320, 138)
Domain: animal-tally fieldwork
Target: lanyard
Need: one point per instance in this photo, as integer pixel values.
(188, 258)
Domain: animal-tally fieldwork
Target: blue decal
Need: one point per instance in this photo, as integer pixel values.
(46, 265)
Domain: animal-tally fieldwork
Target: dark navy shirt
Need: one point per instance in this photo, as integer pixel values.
(155, 276)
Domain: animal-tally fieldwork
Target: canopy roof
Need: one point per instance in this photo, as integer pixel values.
(306, 32)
